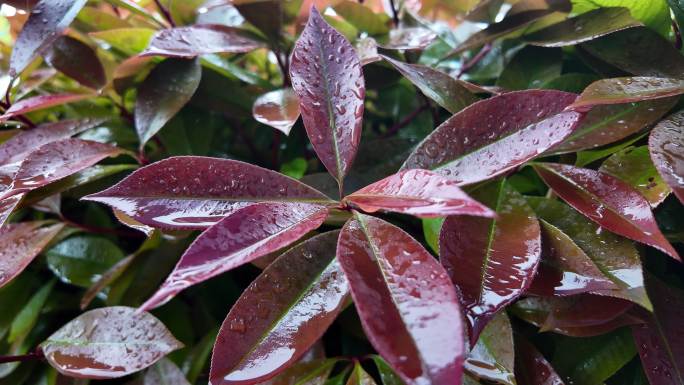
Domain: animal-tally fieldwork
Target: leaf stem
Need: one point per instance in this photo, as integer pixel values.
(35, 355)
(476, 59)
(284, 67)
(406, 120)
(678, 35)
(395, 13)
(165, 12)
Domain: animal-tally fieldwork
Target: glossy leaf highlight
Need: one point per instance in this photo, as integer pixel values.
(666, 146)
(278, 109)
(199, 39)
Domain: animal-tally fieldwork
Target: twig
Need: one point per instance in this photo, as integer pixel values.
(406, 120)
(678, 35)
(395, 13)
(165, 12)
(36, 355)
(284, 67)
(476, 59)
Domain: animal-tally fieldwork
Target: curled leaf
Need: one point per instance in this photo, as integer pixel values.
(41, 102)
(666, 146)
(278, 109)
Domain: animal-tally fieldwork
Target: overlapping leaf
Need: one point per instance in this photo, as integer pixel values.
(193, 192)
(244, 235)
(492, 357)
(326, 75)
(491, 261)
(199, 39)
(666, 146)
(495, 135)
(531, 367)
(278, 109)
(408, 306)
(77, 60)
(41, 102)
(633, 166)
(281, 314)
(19, 245)
(627, 90)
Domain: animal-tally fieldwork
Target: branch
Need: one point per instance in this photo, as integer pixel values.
(165, 12)
(476, 59)
(35, 355)
(406, 120)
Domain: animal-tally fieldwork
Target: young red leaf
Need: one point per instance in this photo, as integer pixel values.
(666, 146)
(326, 75)
(587, 26)
(608, 201)
(199, 39)
(244, 235)
(48, 19)
(167, 88)
(627, 90)
(580, 311)
(408, 307)
(77, 60)
(492, 357)
(438, 86)
(281, 314)
(660, 340)
(278, 109)
(531, 368)
(491, 261)
(192, 192)
(108, 342)
(20, 243)
(417, 192)
(41, 102)
(495, 135)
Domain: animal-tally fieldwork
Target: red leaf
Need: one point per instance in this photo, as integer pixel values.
(192, 192)
(7, 205)
(608, 201)
(199, 39)
(48, 19)
(241, 237)
(581, 311)
(20, 243)
(77, 60)
(408, 306)
(666, 145)
(531, 368)
(517, 127)
(491, 261)
(326, 75)
(281, 314)
(41, 102)
(278, 109)
(417, 192)
(660, 341)
(627, 90)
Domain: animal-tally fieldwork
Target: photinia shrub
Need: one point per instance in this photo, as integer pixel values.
(477, 192)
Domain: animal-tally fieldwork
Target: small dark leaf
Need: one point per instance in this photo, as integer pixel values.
(666, 145)
(77, 60)
(627, 90)
(167, 88)
(19, 245)
(108, 343)
(80, 260)
(278, 109)
(199, 39)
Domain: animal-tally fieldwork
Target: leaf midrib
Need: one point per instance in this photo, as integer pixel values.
(490, 241)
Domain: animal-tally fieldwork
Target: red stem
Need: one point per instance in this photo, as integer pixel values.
(476, 59)
(165, 12)
(406, 120)
(36, 355)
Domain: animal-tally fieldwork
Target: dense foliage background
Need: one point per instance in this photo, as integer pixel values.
(477, 191)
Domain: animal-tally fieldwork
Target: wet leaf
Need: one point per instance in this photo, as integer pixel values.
(407, 305)
(268, 15)
(360, 377)
(281, 314)
(239, 238)
(7, 205)
(47, 20)
(492, 357)
(42, 102)
(634, 167)
(608, 201)
(431, 229)
(417, 192)
(491, 261)
(666, 145)
(309, 372)
(199, 39)
(409, 38)
(581, 311)
(26, 319)
(363, 18)
(167, 88)
(495, 135)
(627, 90)
(436, 85)
(653, 13)
(584, 27)
(130, 41)
(530, 67)
(19, 245)
(164, 372)
(77, 60)
(81, 260)
(192, 192)
(387, 375)
(531, 368)
(326, 75)
(108, 343)
(659, 340)
(278, 109)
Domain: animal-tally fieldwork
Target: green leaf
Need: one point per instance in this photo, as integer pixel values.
(363, 18)
(81, 260)
(492, 357)
(130, 41)
(28, 316)
(387, 375)
(531, 67)
(431, 229)
(653, 13)
(296, 168)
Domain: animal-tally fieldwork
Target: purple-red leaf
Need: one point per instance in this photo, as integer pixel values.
(491, 261)
(608, 201)
(581, 311)
(326, 75)
(495, 135)
(77, 60)
(492, 357)
(634, 167)
(41, 102)
(666, 145)
(278, 109)
(199, 39)
(167, 88)
(108, 342)
(7, 205)
(20, 243)
(531, 368)
(417, 192)
(408, 307)
(627, 90)
(241, 237)
(48, 19)
(192, 192)
(281, 314)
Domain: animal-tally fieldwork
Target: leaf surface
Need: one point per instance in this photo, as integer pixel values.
(407, 305)
(492, 357)
(80, 260)
(627, 90)
(192, 192)
(491, 261)
(108, 343)
(608, 201)
(278, 109)
(666, 146)
(19, 245)
(164, 372)
(531, 367)
(326, 75)
(634, 167)
(42, 102)
(495, 135)
(199, 39)
(281, 314)
(77, 60)
(241, 237)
